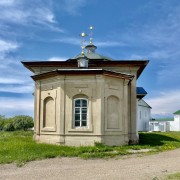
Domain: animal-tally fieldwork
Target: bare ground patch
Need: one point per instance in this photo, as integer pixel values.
(144, 168)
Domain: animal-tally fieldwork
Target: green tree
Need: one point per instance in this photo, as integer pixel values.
(8, 125)
(23, 122)
(2, 119)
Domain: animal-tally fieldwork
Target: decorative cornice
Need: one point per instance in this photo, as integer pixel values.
(80, 72)
(141, 64)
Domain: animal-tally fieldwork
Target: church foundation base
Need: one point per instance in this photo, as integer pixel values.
(115, 140)
(133, 139)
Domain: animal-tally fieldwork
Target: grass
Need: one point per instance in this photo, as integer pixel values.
(19, 147)
(160, 141)
(175, 176)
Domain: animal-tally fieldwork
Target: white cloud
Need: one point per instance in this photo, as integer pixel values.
(29, 13)
(7, 2)
(135, 57)
(77, 41)
(7, 46)
(73, 6)
(157, 40)
(44, 15)
(109, 43)
(13, 15)
(24, 88)
(58, 59)
(11, 106)
(69, 40)
(165, 103)
(13, 77)
(6, 80)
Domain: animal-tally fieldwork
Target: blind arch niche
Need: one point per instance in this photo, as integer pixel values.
(49, 113)
(113, 111)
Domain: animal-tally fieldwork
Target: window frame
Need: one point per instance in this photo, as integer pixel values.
(81, 107)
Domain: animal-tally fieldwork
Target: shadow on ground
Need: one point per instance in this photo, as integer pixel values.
(154, 139)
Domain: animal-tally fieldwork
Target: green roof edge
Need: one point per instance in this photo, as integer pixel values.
(177, 112)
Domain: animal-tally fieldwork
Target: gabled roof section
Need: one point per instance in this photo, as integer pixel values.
(142, 102)
(177, 112)
(82, 72)
(140, 91)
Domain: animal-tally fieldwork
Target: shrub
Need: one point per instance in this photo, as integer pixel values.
(8, 125)
(1, 125)
(23, 122)
(2, 119)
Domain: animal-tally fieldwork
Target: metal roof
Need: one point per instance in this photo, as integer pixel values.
(162, 119)
(93, 56)
(140, 91)
(177, 112)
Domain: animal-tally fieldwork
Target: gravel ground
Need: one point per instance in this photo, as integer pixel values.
(125, 168)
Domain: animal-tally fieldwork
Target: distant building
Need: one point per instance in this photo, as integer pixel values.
(175, 125)
(143, 115)
(143, 110)
(162, 124)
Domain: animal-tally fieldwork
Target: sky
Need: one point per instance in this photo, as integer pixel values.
(123, 30)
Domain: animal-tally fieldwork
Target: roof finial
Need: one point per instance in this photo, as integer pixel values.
(82, 42)
(91, 34)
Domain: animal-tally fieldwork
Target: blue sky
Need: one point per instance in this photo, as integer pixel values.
(124, 29)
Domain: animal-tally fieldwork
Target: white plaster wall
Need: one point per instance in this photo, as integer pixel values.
(143, 116)
(175, 125)
(162, 126)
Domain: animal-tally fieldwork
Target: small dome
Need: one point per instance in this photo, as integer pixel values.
(91, 54)
(91, 48)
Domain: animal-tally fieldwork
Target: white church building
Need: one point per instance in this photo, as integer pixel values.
(175, 125)
(143, 115)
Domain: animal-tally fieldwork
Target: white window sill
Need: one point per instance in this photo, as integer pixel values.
(80, 129)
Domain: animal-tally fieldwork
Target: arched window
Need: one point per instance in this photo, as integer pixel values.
(80, 112)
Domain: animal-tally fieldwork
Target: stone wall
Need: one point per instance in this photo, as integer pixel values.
(108, 110)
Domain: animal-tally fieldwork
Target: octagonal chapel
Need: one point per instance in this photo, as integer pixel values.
(86, 99)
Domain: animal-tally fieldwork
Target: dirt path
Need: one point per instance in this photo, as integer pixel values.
(141, 168)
